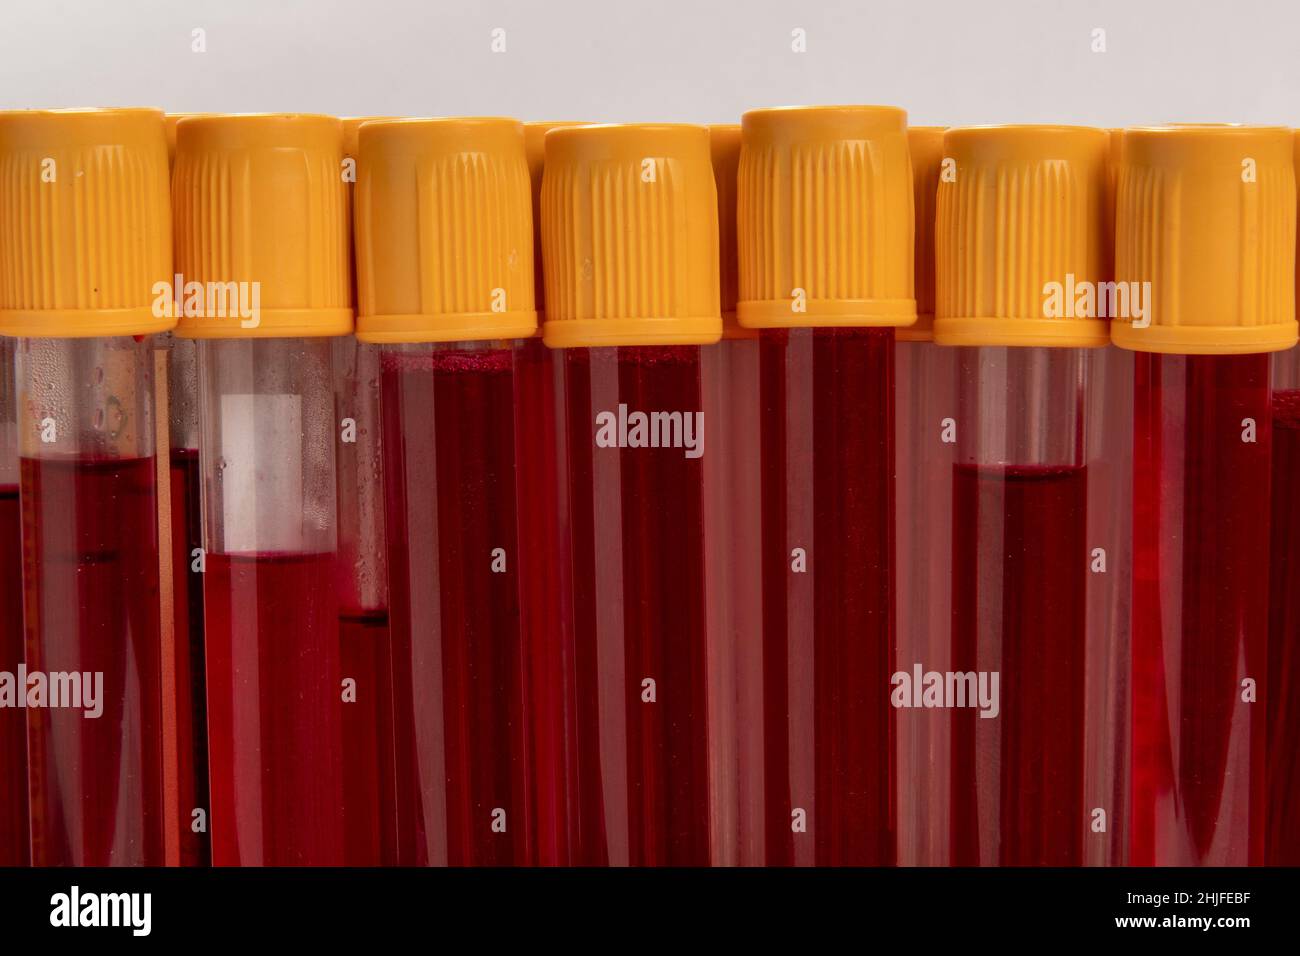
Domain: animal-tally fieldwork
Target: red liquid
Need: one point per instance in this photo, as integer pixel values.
(187, 604)
(274, 701)
(90, 578)
(1282, 840)
(644, 534)
(827, 451)
(370, 828)
(458, 684)
(545, 595)
(15, 841)
(1019, 573)
(1201, 545)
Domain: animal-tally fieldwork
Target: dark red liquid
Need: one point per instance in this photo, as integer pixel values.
(187, 605)
(370, 826)
(1019, 578)
(646, 530)
(458, 685)
(1282, 840)
(15, 843)
(545, 597)
(828, 489)
(90, 578)
(274, 703)
(1200, 608)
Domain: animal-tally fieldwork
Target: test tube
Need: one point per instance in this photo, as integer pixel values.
(85, 247)
(1019, 255)
(825, 234)
(925, 378)
(261, 244)
(730, 376)
(445, 285)
(630, 246)
(369, 808)
(189, 703)
(15, 842)
(1205, 230)
(1282, 835)
(545, 589)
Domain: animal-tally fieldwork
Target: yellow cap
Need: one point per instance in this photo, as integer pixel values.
(351, 130)
(1114, 154)
(535, 147)
(724, 142)
(260, 199)
(169, 124)
(85, 232)
(925, 145)
(444, 232)
(824, 218)
(1018, 237)
(1207, 215)
(630, 237)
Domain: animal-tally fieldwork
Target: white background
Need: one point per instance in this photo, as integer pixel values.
(947, 62)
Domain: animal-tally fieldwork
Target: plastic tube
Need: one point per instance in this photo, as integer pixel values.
(450, 198)
(1034, 201)
(1206, 215)
(825, 231)
(187, 601)
(1282, 836)
(544, 564)
(15, 841)
(81, 301)
(632, 294)
(730, 376)
(365, 652)
(925, 377)
(259, 206)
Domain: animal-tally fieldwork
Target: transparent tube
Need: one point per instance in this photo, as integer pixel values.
(90, 580)
(827, 545)
(926, 382)
(645, 608)
(1019, 605)
(1108, 422)
(454, 560)
(1202, 460)
(546, 593)
(362, 586)
(187, 599)
(1282, 836)
(15, 841)
(733, 534)
(271, 614)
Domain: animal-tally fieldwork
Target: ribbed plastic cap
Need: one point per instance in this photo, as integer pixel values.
(925, 144)
(352, 130)
(824, 218)
(169, 124)
(444, 231)
(260, 210)
(85, 230)
(535, 147)
(1116, 150)
(724, 143)
(1207, 216)
(1019, 237)
(630, 237)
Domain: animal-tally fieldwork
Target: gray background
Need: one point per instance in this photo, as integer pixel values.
(947, 62)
